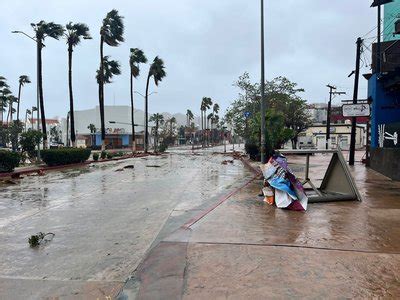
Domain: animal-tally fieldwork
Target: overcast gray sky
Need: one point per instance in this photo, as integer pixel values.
(206, 45)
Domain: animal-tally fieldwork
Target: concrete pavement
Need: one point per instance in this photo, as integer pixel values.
(245, 249)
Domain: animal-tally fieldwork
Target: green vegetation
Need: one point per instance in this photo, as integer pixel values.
(286, 115)
(8, 161)
(157, 71)
(96, 156)
(28, 142)
(65, 156)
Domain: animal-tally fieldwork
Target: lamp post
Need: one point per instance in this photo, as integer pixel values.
(263, 102)
(37, 83)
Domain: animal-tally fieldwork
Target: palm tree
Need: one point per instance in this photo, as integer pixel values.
(4, 91)
(74, 33)
(23, 79)
(11, 99)
(43, 30)
(158, 73)
(171, 121)
(136, 58)
(159, 120)
(92, 129)
(189, 117)
(111, 33)
(34, 108)
(27, 112)
(110, 69)
(205, 104)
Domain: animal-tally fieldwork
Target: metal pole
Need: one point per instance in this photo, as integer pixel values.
(355, 97)
(378, 45)
(328, 118)
(263, 102)
(37, 95)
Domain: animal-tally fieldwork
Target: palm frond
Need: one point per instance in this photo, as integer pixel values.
(75, 33)
(24, 79)
(111, 68)
(157, 70)
(112, 30)
(51, 29)
(135, 59)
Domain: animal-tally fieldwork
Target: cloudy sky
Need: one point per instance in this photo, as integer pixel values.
(206, 45)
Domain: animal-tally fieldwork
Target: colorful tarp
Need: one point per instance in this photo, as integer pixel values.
(289, 192)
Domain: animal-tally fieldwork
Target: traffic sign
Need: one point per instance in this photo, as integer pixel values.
(247, 114)
(356, 110)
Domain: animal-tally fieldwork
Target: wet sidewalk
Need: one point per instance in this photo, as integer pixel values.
(245, 249)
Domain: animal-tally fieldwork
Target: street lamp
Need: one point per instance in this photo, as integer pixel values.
(124, 123)
(37, 83)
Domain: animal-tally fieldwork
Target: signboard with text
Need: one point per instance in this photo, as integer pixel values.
(356, 110)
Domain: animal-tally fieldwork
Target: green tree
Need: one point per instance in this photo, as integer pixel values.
(282, 96)
(189, 117)
(158, 119)
(205, 105)
(42, 31)
(28, 142)
(11, 99)
(136, 58)
(74, 34)
(111, 33)
(23, 79)
(157, 71)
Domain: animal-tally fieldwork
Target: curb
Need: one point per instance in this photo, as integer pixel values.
(41, 170)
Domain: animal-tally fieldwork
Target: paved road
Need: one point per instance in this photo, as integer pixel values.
(104, 220)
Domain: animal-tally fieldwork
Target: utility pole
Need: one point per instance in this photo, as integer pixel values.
(263, 101)
(332, 92)
(355, 97)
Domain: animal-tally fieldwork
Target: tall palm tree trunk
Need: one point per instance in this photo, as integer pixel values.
(146, 116)
(133, 118)
(41, 100)
(101, 95)
(19, 99)
(71, 96)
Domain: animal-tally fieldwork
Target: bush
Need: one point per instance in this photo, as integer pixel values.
(96, 156)
(163, 147)
(65, 156)
(253, 151)
(109, 155)
(8, 161)
(103, 154)
(29, 141)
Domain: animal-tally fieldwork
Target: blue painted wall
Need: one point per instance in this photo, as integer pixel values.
(125, 140)
(385, 107)
(99, 141)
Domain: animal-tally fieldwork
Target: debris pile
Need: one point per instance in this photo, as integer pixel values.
(281, 187)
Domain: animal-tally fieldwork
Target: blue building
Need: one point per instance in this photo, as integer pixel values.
(384, 94)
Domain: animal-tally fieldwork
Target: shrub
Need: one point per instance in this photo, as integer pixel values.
(253, 151)
(96, 156)
(29, 140)
(120, 154)
(65, 156)
(8, 161)
(103, 154)
(109, 155)
(163, 147)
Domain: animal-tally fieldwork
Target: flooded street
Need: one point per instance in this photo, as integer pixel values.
(104, 218)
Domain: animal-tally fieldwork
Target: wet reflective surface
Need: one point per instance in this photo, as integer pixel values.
(104, 220)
